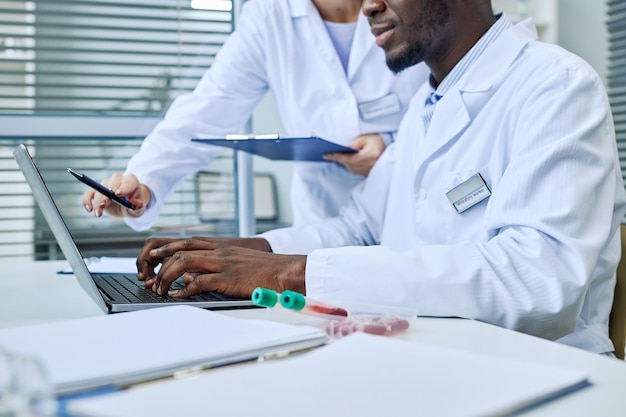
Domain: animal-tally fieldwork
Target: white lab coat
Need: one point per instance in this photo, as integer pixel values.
(282, 46)
(539, 255)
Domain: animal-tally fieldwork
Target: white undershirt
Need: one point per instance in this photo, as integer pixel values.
(341, 34)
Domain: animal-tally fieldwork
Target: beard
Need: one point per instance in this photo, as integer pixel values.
(429, 37)
(412, 54)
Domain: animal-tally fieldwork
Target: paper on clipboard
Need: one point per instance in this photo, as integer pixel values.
(277, 148)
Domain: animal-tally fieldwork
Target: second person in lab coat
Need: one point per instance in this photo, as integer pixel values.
(320, 60)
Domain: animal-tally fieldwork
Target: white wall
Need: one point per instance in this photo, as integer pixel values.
(582, 30)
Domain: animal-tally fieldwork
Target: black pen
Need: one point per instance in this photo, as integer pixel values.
(122, 201)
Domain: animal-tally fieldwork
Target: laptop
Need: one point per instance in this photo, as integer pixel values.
(111, 292)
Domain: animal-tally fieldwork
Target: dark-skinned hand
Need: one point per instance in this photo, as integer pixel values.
(233, 267)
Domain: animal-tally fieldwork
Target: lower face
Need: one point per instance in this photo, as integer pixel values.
(417, 35)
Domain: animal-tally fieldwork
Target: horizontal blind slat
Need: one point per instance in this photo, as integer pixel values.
(616, 23)
(21, 220)
(164, 47)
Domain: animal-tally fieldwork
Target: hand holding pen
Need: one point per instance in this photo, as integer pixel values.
(107, 192)
(124, 187)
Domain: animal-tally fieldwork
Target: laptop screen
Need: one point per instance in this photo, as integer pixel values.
(55, 223)
(116, 300)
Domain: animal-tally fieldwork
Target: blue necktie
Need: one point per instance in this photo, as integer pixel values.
(429, 108)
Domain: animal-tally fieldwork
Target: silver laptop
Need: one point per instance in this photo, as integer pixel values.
(112, 292)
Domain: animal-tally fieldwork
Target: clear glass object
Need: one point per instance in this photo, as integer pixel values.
(25, 389)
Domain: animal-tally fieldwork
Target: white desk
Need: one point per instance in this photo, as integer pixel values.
(32, 292)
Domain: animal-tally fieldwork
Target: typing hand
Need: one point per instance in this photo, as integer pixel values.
(230, 266)
(158, 250)
(370, 147)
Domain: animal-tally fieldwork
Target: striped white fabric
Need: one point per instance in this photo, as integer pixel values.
(438, 92)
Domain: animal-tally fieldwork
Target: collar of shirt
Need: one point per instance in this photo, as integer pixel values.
(502, 23)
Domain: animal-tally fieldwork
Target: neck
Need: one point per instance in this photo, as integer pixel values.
(462, 40)
(340, 11)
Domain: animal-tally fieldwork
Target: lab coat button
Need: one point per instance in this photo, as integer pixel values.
(422, 194)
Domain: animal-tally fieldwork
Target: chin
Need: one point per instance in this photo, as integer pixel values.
(398, 64)
(398, 61)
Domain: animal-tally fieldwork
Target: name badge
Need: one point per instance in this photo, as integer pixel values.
(468, 193)
(385, 106)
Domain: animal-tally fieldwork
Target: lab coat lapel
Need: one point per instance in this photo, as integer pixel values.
(464, 101)
(450, 117)
(363, 42)
(299, 8)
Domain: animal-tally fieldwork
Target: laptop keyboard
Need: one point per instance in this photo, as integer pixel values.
(133, 290)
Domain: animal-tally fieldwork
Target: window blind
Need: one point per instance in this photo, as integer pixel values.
(617, 72)
(25, 234)
(71, 70)
(104, 56)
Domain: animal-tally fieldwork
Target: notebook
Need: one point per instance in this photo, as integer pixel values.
(276, 148)
(111, 292)
(123, 349)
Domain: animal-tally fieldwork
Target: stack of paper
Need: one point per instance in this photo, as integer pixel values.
(108, 265)
(131, 347)
(360, 375)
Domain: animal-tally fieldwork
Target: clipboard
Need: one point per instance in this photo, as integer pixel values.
(273, 147)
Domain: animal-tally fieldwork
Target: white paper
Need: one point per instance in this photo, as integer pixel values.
(108, 265)
(140, 345)
(360, 375)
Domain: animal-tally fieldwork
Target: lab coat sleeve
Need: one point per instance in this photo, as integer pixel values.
(356, 226)
(220, 104)
(547, 224)
(388, 137)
